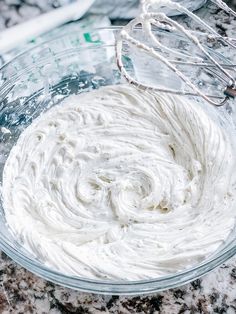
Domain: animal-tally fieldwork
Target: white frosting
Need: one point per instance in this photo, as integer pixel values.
(121, 184)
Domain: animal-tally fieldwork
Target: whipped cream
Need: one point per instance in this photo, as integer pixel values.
(121, 184)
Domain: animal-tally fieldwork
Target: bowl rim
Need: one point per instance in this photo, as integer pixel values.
(108, 286)
(112, 28)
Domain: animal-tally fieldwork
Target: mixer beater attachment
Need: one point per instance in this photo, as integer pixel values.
(147, 42)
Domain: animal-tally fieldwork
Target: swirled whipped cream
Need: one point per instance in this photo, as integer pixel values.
(122, 184)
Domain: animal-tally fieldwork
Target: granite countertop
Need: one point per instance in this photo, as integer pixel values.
(23, 292)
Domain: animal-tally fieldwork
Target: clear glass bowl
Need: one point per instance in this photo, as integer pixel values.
(40, 78)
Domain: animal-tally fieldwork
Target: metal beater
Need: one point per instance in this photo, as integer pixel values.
(206, 63)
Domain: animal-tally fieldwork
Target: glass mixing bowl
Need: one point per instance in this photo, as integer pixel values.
(40, 78)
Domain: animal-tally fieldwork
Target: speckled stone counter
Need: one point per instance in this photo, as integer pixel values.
(23, 292)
